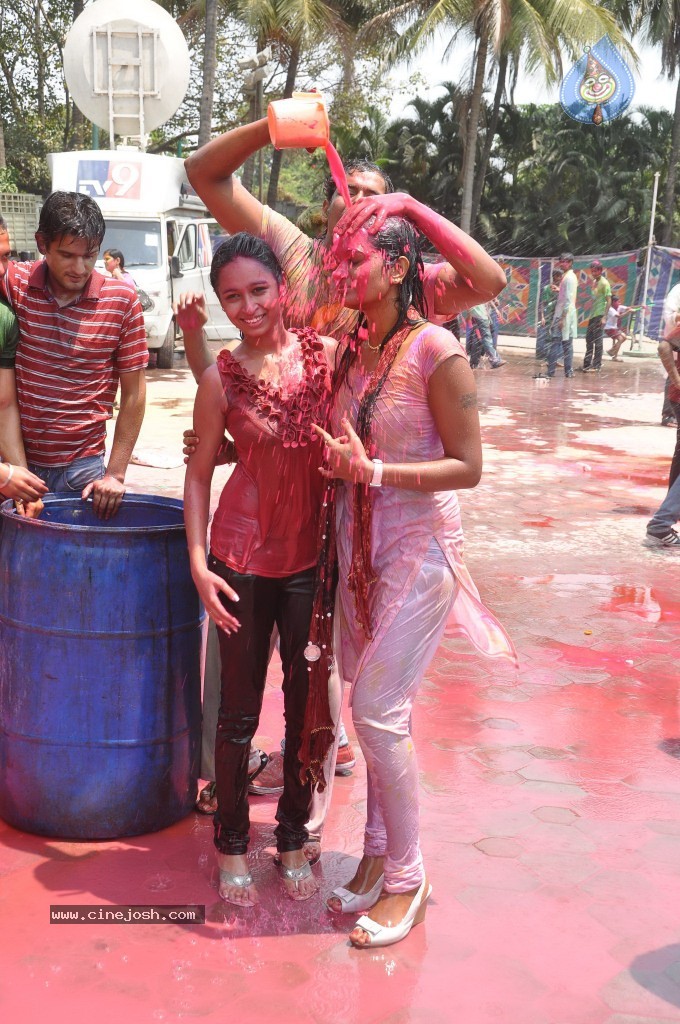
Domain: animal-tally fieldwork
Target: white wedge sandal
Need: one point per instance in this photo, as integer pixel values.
(355, 902)
(381, 935)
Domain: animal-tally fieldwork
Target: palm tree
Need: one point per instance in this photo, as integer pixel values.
(291, 26)
(189, 13)
(370, 140)
(660, 22)
(561, 185)
(425, 150)
(209, 71)
(532, 30)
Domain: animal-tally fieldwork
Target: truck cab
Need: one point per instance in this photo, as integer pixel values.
(162, 228)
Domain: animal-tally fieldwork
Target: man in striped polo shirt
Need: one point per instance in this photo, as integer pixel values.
(81, 333)
(15, 480)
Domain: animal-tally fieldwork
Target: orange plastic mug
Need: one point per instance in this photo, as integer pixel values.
(299, 122)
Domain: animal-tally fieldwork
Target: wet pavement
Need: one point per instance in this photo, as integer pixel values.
(550, 795)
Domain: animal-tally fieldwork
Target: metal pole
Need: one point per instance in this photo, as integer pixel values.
(648, 262)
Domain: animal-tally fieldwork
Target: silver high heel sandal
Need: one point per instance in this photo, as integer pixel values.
(296, 875)
(355, 902)
(236, 882)
(381, 935)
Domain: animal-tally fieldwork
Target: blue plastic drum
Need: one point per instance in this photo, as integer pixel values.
(100, 639)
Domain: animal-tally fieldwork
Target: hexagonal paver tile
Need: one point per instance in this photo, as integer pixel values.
(665, 828)
(625, 994)
(626, 921)
(450, 744)
(502, 778)
(615, 885)
(486, 900)
(549, 753)
(663, 848)
(499, 846)
(562, 788)
(560, 868)
(511, 695)
(500, 723)
(654, 782)
(556, 815)
(553, 771)
(507, 759)
(624, 1018)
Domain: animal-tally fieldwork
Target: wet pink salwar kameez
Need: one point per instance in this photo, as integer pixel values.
(422, 587)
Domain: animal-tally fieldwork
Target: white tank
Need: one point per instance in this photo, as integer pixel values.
(127, 66)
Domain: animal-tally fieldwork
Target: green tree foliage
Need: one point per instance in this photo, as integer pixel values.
(553, 183)
(660, 22)
(312, 42)
(542, 181)
(531, 31)
(426, 151)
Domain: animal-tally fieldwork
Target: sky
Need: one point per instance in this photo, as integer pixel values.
(651, 89)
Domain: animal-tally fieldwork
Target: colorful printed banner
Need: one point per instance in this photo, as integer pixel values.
(664, 273)
(518, 302)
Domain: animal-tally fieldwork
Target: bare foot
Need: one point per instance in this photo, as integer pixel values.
(303, 884)
(389, 911)
(366, 876)
(236, 882)
(312, 851)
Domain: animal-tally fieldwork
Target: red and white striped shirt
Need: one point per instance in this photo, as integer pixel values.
(69, 360)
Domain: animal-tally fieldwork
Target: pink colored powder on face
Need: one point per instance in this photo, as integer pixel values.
(346, 276)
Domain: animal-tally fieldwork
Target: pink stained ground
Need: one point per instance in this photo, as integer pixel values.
(550, 797)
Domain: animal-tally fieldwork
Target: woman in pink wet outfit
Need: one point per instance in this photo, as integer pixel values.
(406, 437)
(261, 566)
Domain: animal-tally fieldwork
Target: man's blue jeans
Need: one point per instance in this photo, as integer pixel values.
(480, 342)
(560, 346)
(667, 514)
(543, 340)
(73, 477)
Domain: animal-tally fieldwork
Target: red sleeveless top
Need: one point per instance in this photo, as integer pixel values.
(266, 521)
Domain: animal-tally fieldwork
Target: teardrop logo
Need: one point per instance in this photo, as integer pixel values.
(599, 87)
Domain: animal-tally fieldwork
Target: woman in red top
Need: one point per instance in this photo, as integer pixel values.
(263, 542)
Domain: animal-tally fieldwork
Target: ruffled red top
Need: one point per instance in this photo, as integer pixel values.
(268, 511)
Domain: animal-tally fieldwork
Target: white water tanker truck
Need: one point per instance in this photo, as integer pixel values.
(160, 225)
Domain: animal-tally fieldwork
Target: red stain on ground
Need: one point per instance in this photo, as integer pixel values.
(550, 796)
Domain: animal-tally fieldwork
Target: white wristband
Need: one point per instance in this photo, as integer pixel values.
(10, 474)
(376, 479)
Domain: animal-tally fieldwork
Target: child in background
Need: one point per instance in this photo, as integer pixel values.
(613, 328)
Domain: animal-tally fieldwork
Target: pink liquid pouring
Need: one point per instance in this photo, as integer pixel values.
(338, 172)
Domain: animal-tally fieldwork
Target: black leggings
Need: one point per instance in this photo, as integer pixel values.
(263, 601)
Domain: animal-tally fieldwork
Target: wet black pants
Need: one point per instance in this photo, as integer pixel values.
(263, 601)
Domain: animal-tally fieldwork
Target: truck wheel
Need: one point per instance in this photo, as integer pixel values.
(166, 352)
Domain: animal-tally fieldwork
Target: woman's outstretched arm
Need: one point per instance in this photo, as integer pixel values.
(209, 424)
